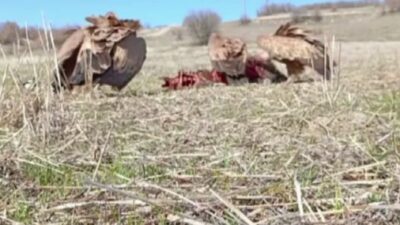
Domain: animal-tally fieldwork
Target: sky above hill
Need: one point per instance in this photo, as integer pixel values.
(150, 12)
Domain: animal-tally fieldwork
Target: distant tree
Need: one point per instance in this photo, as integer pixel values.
(394, 5)
(9, 32)
(274, 8)
(62, 33)
(299, 16)
(244, 20)
(201, 24)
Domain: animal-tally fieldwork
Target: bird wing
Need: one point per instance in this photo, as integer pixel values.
(66, 59)
(111, 20)
(290, 42)
(101, 40)
(107, 44)
(286, 48)
(297, 47)
(106, 49)
(128, 58)
(227, 55)
(71, 44)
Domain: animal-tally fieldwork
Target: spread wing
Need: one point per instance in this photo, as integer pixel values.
(296, 48)
(111, 20)
(227, 55)
(109, 44)
(110, 51)
(128, 59)
(286, 48)
(67, 56)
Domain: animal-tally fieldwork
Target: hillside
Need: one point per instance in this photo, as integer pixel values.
(310, 153)
(360, 24)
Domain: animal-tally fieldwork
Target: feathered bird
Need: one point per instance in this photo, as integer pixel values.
(227, 55)
(107, 52)
(256, 70)
(295, 48)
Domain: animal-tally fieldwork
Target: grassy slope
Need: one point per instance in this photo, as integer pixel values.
(248, 144)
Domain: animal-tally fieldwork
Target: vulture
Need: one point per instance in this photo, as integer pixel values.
(229, 56)
(256, 69)
(294, 47)
(231, 64)
(107, 52)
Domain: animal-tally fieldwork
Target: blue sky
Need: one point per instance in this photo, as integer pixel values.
(152, 12)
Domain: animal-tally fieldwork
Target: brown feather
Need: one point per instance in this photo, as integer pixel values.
(108, 50)
(67, 56)
(227, 55)
(294, 46)
(111, 20)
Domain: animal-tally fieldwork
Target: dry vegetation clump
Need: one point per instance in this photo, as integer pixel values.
(13, 34)
(274, 8)
(15, 114)
(201, 24)
(302, 16)
(310, 153)
(343, 4)
(178, 33)
(394, 5)
(277, 8)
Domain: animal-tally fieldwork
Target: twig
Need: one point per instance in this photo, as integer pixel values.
(83, 204)
(133, 195)
(174, 219)
(233, 208)
(296, 215)
(298, 196)
(313, 216)
(125, 193)
(145, 184)
(101, 155)
(196, 205)
(365, 167)
(395, 207)
(9, 221)
(367, 182)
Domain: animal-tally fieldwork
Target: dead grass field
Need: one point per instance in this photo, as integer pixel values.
(311, 153)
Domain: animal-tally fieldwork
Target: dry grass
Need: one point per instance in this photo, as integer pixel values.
(255, 154)
(369, 27)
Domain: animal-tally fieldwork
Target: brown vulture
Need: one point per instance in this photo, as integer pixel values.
(297, 50)
(229, 56)
(106, 52)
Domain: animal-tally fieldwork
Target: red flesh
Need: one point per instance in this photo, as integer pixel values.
(255, 72)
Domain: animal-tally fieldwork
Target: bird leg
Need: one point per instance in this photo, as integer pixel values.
(294, 68)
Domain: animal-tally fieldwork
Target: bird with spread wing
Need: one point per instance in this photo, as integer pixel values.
(231, 64)
(229, 55)
(295, 48)
(106, 52)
